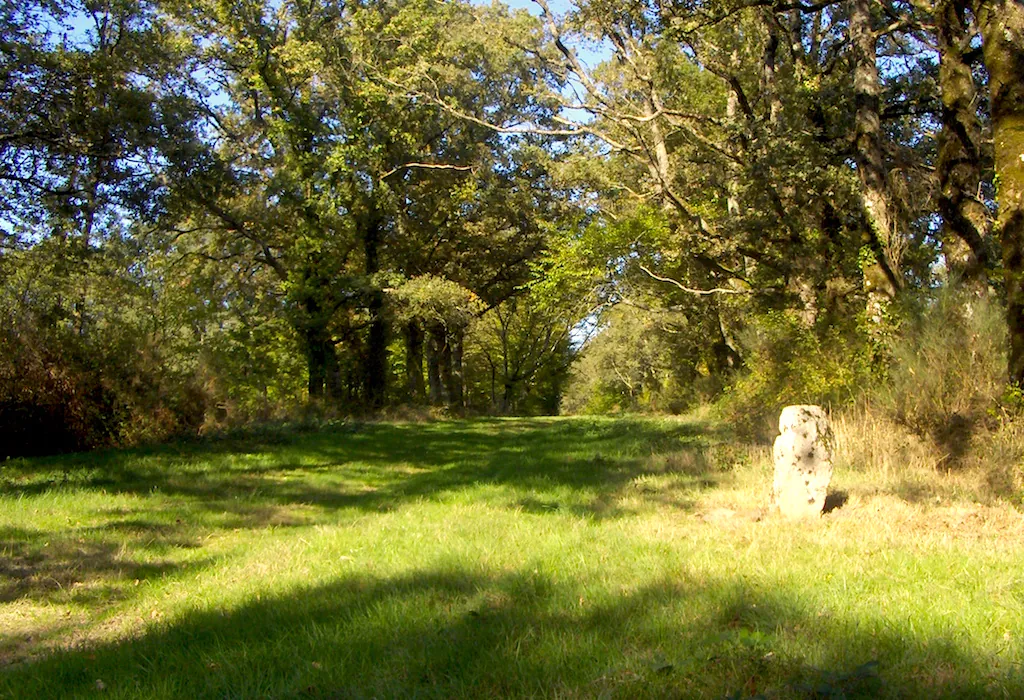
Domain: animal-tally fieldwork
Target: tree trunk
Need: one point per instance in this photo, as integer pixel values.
(435, 342)
(732, 110)
(1002, 30)
(321, 355)
(322, 364)
(445, 365)
(316, 363)
(830, 244)
(457, 390)
(414, 361)
(508, 398)
(959, 165)
(376, 367)
(332, 370)
(376, 359)
(769, 82)
(880, 280)
(725, 358)
(494, 387)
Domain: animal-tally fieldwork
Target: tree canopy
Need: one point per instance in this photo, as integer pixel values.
(219, 212)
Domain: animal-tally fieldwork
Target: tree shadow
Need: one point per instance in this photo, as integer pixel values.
(441, 633)
(76, 566)
(576, 468)
(373, 467)
(444, 632)
(953, 434)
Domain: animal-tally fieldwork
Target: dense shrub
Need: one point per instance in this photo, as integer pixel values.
(63, 391)
(253, 372)
(787, 362)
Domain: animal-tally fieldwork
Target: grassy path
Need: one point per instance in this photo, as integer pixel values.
(491, 558)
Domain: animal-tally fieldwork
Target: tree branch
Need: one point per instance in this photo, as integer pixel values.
(690, 290)
(425, 166)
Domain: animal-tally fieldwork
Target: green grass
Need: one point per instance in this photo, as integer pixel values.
(492, 558)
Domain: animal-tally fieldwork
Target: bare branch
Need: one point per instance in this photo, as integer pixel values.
(425, 166)
(690, 290)
(570, 55)
(522, 129)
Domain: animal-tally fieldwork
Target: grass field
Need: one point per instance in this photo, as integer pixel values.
(571, 557)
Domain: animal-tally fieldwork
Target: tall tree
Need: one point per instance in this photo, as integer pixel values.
(881, 280)
(320, 170)
(963, 155)
(1002, 30)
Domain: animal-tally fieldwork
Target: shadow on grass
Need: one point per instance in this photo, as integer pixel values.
(451, 633)
(561, 467)
(71, 567)
(372, 467)
(834, 501)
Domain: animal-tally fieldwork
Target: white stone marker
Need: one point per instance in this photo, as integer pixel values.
(803, 461)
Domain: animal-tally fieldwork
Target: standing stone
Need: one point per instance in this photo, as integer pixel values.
(803, 461)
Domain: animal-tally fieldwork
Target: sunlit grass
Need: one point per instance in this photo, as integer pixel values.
(550, 557)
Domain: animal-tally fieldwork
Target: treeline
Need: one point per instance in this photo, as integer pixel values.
(216, 213)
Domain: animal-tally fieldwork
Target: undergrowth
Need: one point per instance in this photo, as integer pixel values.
(929, 400)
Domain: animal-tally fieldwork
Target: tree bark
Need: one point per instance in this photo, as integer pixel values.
(726, 359)
(959, 166)
(376, 352)
(316, 364)
(435, 342)
(322, 364)
(508, 397)
(321, 355)
(376, 358)
(769, 82)
(880, 279)
(457, 389)
(1002, 30)
(732, 110)
(332, 370)
(494, 385)
(444, 358)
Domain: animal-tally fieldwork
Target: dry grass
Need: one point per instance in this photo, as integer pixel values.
(879, 456)
(882, 471)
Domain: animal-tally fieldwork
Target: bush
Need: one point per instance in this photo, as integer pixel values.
(61, 391)
(948, 367)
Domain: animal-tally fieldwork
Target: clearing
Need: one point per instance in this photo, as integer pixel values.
(564, 557)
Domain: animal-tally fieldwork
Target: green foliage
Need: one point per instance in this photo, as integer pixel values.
(82, 122)
(291, 192)
(586, 261)
(436, 301)
(519, 355)
(254, 372)
(82, 362)
(789, 363)
(635, 362)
